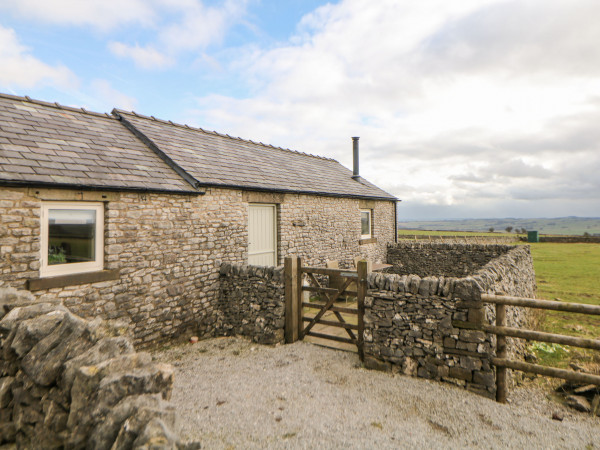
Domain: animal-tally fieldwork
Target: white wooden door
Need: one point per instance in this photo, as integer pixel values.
(262, 235)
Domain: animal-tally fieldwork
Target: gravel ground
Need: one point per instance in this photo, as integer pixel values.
(231, 393)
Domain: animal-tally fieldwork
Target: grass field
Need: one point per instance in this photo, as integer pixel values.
(571, 273)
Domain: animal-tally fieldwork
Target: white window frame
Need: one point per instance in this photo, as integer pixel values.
(370, 234)
(72, 268)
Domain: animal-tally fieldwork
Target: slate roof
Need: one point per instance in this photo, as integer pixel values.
(49, 144)
(215, 159)
(44, 143)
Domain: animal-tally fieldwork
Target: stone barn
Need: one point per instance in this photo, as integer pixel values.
(123, 216)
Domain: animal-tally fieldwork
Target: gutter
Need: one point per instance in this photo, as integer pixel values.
(291, 191)
(85, 187)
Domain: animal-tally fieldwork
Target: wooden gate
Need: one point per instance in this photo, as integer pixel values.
(326, 286)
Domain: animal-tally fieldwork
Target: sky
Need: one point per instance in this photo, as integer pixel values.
(464, 108)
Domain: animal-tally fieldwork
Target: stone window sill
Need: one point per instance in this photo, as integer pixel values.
(367, 241)
(37, 284)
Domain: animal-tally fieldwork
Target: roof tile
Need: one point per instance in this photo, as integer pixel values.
(216, 159)
(81, 145)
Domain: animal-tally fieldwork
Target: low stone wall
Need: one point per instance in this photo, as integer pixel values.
(510, 274)
(423, 326)
(409, 329)
(570, 239)
(252, 303)
(487, 240)
(441, 258)
(70, 383)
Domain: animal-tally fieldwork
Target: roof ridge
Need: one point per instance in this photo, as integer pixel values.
(54, 105)
(215, 133)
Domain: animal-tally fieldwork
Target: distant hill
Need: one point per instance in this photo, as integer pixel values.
(559, 225)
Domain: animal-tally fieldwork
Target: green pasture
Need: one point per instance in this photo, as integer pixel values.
(569, 273)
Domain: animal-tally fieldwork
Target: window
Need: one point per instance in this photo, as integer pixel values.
(365, 224)
(72, 238)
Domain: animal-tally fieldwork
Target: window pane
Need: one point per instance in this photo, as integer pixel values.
(365, 223)
(71, 236)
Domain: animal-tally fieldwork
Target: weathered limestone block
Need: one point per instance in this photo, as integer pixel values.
(87, 379)
(136, 425)
(104, 349)
(31, 331)
(19, 314)
(45, 360)
(11, 298)
(155, 435)
(154, 378)
(6, 384)
(106, 431)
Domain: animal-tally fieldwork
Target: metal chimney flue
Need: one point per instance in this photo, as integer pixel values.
(355, 174)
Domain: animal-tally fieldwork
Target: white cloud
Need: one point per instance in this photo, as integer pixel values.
(188, 26)
(174, 26)
(100, 14)
(21, 70)
(513, 37)
(201, 25)
(145, 57)
(440, 92)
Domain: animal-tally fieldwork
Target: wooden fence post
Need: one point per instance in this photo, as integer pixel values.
(361, 291)
(299, 298)
(291, 301)
(501, 388)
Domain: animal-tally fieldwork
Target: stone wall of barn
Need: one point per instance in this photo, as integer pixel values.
(318, 229)
(168, 250)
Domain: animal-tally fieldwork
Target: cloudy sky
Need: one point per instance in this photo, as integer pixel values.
(465, 108)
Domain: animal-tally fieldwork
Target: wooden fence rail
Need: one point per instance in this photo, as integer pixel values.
(501, 361)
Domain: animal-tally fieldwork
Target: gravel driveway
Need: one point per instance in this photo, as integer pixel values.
(231, 393)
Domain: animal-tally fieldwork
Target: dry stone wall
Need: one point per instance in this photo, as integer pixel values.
(422, 326)
(252, 303)
(440, 258)
(570, 239)
(510, 274)
(70, 383)
(409, 329)
(486, 239)
(169, 250)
